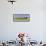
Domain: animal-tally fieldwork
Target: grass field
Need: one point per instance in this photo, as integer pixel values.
(22, 18)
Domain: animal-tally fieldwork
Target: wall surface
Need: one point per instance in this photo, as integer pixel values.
(36, 27)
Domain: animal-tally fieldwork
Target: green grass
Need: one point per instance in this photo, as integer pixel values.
(22, 18)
